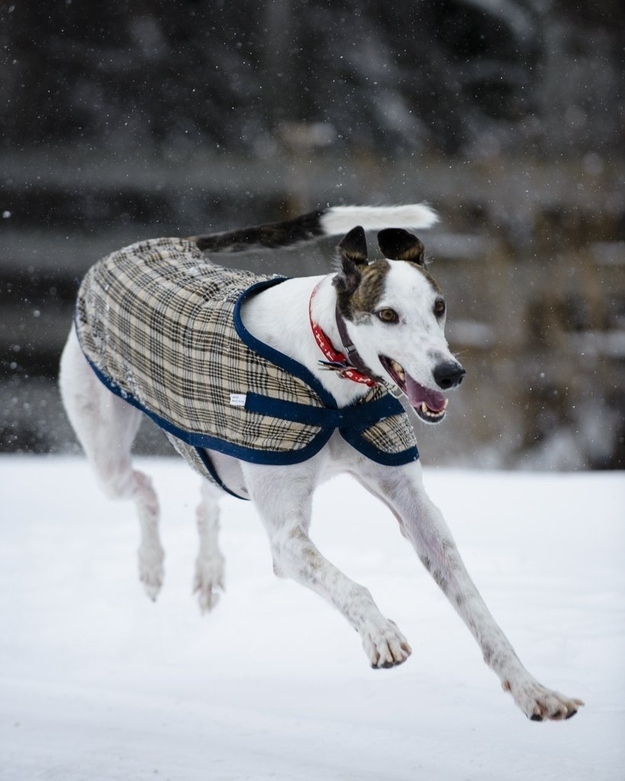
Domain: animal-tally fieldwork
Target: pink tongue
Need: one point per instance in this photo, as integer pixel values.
(417, 394)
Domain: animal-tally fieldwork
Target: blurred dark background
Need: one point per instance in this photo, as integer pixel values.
(121, 121)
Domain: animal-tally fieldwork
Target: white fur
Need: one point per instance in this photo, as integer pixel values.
(340, 219)
(106, 427)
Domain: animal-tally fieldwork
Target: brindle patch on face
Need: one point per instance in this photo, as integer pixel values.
(364, 300)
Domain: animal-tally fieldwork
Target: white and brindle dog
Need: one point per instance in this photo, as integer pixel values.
(378, 323)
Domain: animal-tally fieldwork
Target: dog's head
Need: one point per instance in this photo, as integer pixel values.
(395, 314)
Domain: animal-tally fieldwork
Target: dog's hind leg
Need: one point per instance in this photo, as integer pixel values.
(106, 427)
(209, 565)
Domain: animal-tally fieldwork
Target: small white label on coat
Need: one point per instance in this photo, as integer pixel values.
(237, 399)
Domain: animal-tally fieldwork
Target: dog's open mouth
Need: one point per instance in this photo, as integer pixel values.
(430, 405)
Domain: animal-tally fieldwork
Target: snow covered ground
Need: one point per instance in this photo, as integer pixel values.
(97, 683)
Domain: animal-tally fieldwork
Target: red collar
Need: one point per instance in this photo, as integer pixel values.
(335, 361)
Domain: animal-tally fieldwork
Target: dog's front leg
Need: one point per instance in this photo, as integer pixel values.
(283, 497)
(423, 524)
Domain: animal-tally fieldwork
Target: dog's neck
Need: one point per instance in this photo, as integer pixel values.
(347, 361)
(279, 317)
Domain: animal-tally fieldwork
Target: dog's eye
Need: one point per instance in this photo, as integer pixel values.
(439, 307)
(388, 315)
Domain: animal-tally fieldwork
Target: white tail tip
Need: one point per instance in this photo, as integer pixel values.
(341, 219)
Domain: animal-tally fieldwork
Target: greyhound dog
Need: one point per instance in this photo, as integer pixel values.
(268, 386)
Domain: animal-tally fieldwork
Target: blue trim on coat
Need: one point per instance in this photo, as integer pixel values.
(355, 416)
(352, 437)
(214, 443)
(210, 468)
(290, 365)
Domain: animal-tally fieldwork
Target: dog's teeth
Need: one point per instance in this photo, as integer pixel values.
(430, 413)
(399, 370)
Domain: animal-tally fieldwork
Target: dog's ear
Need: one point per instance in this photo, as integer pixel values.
(399, 244)
(354, 246)
(353, 257)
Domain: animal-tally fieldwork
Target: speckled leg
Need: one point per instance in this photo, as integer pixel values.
(208, 581)
(283, 498)
(423, 524)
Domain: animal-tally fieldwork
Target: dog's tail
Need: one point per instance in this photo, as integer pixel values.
(332, 221)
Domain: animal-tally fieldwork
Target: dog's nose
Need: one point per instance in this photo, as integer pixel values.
(449, 374)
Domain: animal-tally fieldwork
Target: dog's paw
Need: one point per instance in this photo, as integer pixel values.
(385, 646)
(208, 582)
(539, 703)
(151, 570)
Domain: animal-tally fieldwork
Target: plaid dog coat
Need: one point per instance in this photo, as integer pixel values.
(161, 327)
